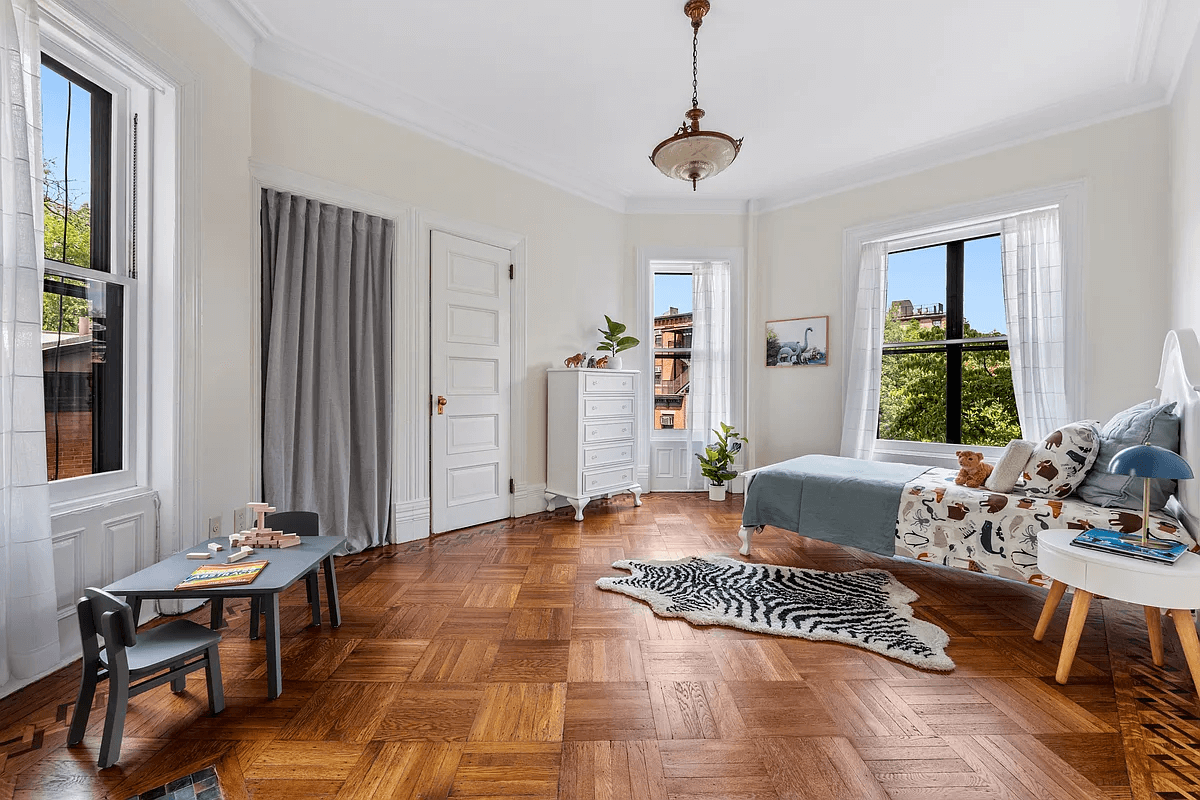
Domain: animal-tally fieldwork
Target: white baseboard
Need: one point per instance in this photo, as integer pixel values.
(411, 521)
(529, 498)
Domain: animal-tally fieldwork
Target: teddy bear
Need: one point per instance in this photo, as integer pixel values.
(974, 471)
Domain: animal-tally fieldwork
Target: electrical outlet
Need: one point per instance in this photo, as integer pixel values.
(214, 527)
(239, 519)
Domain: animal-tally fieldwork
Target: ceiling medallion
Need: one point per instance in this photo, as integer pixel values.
(692, 154)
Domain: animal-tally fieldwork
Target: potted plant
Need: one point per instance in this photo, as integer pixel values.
(615, 341)
(716, 460)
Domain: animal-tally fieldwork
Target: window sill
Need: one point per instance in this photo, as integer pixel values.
(74, 505)
(933, 454)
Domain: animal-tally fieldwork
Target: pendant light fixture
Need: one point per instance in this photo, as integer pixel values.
(692, 154)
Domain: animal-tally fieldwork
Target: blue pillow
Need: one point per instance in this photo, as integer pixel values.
(1145, 423)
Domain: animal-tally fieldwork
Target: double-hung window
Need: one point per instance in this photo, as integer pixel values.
(85, 295)
(946, 375)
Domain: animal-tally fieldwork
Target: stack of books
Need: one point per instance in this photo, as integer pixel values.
(1111, 542)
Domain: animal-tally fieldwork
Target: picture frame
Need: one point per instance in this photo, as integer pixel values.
(798, 342)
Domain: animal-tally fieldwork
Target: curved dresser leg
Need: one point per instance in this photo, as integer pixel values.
(550, 500)
(579, 505)
(637, 495)
(746, 534)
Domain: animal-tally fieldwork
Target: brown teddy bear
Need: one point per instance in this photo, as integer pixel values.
(973, 470)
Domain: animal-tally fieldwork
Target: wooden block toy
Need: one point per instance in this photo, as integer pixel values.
(198, 556)
(238, 555)
(216, 548)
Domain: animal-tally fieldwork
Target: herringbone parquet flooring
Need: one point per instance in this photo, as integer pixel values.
(486, 664)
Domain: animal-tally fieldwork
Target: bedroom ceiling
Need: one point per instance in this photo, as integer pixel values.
(827, 94)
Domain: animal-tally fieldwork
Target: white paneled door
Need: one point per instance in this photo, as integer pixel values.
(469, 380)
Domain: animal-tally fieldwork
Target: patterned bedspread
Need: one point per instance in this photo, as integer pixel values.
(984, 531)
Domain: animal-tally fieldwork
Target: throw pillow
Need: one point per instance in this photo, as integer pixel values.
(1145, 423)
(1010, 466)
(1059, 464)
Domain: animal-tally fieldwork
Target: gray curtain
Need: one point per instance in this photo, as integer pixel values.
(327, 365)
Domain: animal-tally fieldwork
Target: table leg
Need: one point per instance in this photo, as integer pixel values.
(274, 663)
(1052, 600)
(331, 595)
(1154, 629)
(1186, 629)
(135, 605)
(217, 613)
(1075, 623)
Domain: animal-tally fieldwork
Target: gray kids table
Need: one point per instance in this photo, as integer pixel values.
(284, 567)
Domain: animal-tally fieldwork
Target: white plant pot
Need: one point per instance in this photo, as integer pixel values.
(614, 362)
(716, 492)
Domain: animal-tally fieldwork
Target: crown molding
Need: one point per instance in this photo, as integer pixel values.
(1158, 52)
(285, 59)
(238, 24)
(686, 205)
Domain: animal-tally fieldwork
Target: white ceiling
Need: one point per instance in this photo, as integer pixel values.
(827, 93)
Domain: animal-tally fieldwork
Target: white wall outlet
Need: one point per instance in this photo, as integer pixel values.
(214, 526)
(239, 519)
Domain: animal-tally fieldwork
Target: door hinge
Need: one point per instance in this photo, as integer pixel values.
(512, 486)
(512, 268)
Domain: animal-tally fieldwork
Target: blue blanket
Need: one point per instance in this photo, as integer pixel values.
(841, 500)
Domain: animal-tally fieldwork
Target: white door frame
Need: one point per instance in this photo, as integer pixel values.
(413, 442)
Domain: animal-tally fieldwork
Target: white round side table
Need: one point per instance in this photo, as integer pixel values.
(1091, 572)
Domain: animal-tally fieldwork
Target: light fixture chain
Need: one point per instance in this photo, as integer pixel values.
(695, 37)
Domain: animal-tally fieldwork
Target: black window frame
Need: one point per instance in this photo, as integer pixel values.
(100, 201)
(107, 378)
(954, 346)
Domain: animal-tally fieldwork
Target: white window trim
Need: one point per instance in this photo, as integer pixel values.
(134, 89)
(681, 259)
(975, 219)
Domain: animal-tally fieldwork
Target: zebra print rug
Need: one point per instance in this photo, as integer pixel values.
(867, 608)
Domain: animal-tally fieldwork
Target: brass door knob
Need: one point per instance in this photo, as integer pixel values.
(441, 404)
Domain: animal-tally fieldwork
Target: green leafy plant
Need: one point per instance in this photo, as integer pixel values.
(717, 458)
(614, 339)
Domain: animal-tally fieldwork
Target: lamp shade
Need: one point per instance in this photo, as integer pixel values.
(1149, 461)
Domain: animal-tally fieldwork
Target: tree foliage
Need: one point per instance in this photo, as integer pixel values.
(912, 397)
(67, 238)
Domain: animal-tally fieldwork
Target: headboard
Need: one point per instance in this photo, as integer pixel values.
(1178, 381)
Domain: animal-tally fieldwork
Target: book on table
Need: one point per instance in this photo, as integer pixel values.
(1111, 542)
(210, 576)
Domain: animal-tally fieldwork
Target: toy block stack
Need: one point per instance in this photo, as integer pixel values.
(261, 536)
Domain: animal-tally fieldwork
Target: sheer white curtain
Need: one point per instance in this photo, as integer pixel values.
(28, 604)
(1033, 308)
(708, 395)
(860, 420)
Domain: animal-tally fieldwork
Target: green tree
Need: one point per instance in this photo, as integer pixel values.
(67, 238)
(912, 397)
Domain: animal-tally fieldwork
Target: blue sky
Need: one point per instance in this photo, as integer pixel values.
(672, 290)
(54, 141)
(920, 276)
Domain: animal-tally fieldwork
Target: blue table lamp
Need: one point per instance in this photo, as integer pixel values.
(1148, 461)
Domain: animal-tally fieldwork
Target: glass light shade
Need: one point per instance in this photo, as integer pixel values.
(695, 155)
(1150, 461)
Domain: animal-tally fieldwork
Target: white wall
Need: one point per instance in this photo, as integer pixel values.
(1127, 280)
(576, 269)
(1185, 194)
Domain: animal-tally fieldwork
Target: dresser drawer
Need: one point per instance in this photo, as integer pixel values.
(607, 406)
(608, 383)
(599, 480)
(607, 454)
(608, 431)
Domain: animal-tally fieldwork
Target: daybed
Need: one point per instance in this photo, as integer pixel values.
(918, 512)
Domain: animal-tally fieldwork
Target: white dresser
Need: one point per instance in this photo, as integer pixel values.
(591, 436)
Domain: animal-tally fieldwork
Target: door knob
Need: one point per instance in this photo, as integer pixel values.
(441, 404)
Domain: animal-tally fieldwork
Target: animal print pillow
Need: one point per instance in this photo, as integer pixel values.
(1060, 463)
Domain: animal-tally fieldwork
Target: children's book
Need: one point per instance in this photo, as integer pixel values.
(208, 576)
(1111, 542)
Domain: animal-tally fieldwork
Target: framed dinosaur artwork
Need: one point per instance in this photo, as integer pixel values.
(802, 342)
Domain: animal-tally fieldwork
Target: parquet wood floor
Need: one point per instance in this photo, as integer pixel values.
(487, 665)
